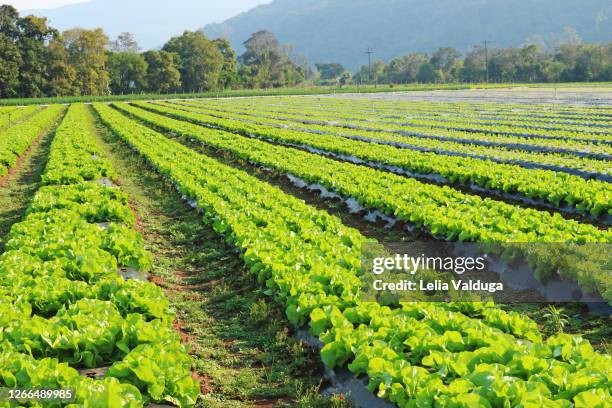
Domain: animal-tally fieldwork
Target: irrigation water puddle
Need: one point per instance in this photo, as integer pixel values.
(133, 274)
(94, 373)
(106, 182)
(354, 207)
(343, 381)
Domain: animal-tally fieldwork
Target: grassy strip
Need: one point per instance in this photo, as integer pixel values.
(313, 90)
(234, 93)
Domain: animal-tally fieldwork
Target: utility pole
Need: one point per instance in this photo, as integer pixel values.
(369, 51)
(486, 61)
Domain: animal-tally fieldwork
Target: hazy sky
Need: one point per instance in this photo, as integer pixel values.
(152, 25)
(39, 4)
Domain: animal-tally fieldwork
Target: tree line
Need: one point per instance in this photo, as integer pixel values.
(570, 61)
(38, 60)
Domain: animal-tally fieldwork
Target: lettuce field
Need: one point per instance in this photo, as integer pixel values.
(201, 252)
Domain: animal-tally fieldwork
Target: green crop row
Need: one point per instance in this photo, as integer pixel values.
(16, 115)
(561, 160)
(568, 118)
(74, 160)
(505, 125)
(16, 140)
(559, 189)
(64, 306)
(574, 122)
(408, 200)
(421, 356)
(311, 262)
(515, 123)
(582, 115)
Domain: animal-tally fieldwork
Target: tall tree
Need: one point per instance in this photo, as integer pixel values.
(10, 55)
(10, 58)
(503, 64)
(304, 70)
(606, 74)
(362, 76)
(128, 72)
(445, 60)
(378, 72)
(530, 64)
(33, 36)
(258, 45)
(163, 75)
(200, 61)
(125, 42)
(552, 70)
(23, 44)
(9, 16)
(229, 72)
(428, 73)
(592, 63)
(473, 69)
(61, 75)
(330, 71)
(371, 74)
(405, 69)
(87, 54)
(267, 62)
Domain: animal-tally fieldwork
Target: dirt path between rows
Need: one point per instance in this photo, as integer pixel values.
(21, 183)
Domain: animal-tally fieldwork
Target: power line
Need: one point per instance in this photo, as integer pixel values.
(369, 51)
(486, 60)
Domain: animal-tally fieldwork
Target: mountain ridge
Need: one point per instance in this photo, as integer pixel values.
(340, 30)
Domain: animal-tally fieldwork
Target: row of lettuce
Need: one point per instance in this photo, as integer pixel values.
(17, 138)
(531, 111)
(418, 354)
(433, 142)
(63, 305)
(13, 116)
(559, 189)
(579, 140)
